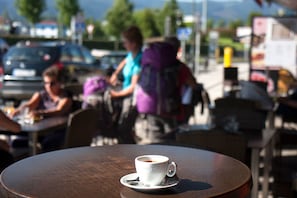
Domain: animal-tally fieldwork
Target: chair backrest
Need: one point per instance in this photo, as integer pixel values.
(76, 89)
(82, 127)
(234, 145)
(242, 112)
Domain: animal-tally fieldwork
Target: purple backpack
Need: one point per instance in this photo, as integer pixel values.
(95, 84)
(158, 87)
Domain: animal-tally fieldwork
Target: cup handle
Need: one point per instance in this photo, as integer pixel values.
(171, 169)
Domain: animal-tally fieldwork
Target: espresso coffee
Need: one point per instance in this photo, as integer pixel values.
(149, 161)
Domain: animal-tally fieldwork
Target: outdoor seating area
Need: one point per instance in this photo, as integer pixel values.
(140, 99)
(236, 127)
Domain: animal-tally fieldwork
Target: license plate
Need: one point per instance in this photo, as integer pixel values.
(24, 72)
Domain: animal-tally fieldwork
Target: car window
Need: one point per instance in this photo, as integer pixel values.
(31, 54)
(87, 56)
(75, 54)
(66, 55)
(111, 60)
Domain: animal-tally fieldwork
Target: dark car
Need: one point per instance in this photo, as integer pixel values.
(3, 49)
(24, 63)
(110, 61)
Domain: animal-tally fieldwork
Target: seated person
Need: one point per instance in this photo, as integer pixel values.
(6, 124)
(287, 106)
(52, 101)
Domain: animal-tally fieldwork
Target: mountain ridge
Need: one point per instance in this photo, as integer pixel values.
(97, 9)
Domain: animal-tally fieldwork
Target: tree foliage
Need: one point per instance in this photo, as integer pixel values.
(234, 24)
(145, 19)
(119, 17)
(67, 9)
(251, 16)
(30, 9)
(169, 11)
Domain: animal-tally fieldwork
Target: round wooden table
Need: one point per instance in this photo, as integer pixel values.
(96, 172)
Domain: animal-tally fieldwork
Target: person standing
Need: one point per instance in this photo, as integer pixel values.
(159, 97)
(130, 69)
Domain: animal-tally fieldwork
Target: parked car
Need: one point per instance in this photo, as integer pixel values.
(3, 49)
(24, 63)
(110, 61)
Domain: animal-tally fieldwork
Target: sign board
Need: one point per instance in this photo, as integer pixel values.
(280, 53)
(78, 23)
(184, 33)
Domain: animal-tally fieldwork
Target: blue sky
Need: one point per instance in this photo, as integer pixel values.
(201, 0)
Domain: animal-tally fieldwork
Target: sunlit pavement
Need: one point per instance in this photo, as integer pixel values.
(212, 79)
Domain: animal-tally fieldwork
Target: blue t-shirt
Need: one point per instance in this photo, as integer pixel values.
(131, 68)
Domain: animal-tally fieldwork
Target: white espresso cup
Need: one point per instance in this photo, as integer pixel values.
(152, 169)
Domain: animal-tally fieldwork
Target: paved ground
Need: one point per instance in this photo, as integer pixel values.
(212, 79)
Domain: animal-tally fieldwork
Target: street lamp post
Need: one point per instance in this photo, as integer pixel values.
(90, 30)
(204, 16)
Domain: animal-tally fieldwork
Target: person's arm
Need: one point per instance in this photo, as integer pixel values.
(31, 104)
(287, 101)
(8, 124)
(63, 106)
(190, 79)
(128, 91)
(114, 77)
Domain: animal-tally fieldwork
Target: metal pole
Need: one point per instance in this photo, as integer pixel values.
(194, 35)
(197, 45)
(167, 26)
(204, 16)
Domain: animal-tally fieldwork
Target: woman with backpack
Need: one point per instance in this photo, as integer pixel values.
(159, 94)
(130, 69)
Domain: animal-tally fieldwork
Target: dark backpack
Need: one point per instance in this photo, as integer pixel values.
(158, 87)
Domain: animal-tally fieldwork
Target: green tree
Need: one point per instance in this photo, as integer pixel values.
(67, 9)
(169, 11)
(210, 24)
(251, 16)
(119, 17)
(98, 32)
(145, 19)
(30, 9)
(221, 23)
(234, 24)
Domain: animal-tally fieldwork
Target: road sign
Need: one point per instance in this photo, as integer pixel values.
(184, 33)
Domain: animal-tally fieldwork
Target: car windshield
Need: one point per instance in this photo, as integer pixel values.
(111, 60)
(32, 54)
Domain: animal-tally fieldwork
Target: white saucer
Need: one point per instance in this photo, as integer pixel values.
(131, 181)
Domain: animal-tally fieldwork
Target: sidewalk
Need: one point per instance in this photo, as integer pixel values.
(212, 80)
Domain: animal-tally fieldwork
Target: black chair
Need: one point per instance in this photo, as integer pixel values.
(81, 128)
(216, 140)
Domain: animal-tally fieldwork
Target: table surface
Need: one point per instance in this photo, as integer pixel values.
(96, 171)
(47, 124)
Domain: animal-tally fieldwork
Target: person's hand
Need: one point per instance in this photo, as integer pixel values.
(14, 113)
(112, 93)
(113, 79)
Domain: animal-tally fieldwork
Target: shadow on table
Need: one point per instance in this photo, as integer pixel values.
(184, 185)
(188, 185)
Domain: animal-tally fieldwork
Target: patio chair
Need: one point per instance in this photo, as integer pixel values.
(216, 140)
(82, 127)
(238, 114)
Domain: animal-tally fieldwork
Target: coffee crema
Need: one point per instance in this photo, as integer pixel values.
(149, 161)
